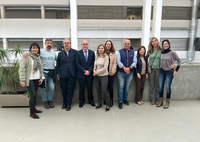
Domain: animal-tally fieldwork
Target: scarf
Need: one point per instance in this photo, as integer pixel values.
(165, 51)
(36, 60)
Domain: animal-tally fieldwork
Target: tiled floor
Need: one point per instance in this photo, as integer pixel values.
(134, 123)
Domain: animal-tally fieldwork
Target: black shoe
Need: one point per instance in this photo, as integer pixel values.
(126, 102)
(107, 108)
(120, 105)
(64, 106)
(68, 108)
(111, 102)
(81, 104)
(98, 106)
(92, 104)
(104, 103)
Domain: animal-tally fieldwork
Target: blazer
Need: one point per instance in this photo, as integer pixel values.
(113, 63)
(82, 65)
(66, 64)
(138, 68)
(25, 70)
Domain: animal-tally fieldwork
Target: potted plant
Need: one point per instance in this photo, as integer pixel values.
(11, 94)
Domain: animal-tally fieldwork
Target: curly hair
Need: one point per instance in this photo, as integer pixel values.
(150, 46)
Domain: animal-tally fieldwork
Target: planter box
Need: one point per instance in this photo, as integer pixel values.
(14, 100)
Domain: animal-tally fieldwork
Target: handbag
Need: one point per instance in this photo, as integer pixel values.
(149, 67)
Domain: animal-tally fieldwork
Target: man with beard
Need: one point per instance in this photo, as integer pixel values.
(48, 58)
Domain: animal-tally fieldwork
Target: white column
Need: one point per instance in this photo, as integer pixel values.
(73, 15)
(146, 23)
(42, 12)
(44, 42)
(3, 15)
(157, 17)
(5, 43)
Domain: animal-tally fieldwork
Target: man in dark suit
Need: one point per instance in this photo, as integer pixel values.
(66, 73)
(85, 64)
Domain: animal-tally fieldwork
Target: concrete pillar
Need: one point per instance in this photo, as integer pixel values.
(42, 12)
(44, 42)
(74, 32)
(5, 43)
(3, 14)
(157, 17)
(146, 23)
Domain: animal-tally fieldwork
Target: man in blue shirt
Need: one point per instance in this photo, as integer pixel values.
(126, 62)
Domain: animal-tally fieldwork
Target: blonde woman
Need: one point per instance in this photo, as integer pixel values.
(101, 72)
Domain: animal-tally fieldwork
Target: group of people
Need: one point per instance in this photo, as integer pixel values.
(37, 69)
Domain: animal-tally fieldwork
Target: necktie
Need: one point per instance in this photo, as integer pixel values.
(86, 56)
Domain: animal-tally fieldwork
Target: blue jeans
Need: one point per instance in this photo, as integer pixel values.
(165, 76)
(49, 81)
(124, 81)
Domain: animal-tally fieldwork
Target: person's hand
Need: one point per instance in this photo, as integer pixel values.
(25, 54)
(127, 70)
(94, 72)
(175, 72)
(147, 76)
(172, 66)
(58, 77)
(138, 75)
(22, 83)
(40, 81)
(87, 72)
(111, 74)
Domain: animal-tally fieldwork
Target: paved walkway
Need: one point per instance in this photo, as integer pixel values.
(134, 123)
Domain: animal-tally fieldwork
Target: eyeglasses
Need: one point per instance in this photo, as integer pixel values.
(84, 44)
(127, 43)
(66, 43)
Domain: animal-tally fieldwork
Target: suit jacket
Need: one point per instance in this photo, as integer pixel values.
(65, 64)
(83, 65)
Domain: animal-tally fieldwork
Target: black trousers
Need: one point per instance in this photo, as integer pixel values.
(32, 88)
(67, 85)
(88, 82)
(110, 85)
(139, 87)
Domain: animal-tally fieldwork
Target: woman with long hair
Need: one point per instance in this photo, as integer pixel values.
(168, 57)
(112, 65)
(101, 71)
(154, 53)
(141, 74)
(31, 75)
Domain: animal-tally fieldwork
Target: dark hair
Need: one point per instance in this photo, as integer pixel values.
(48, 39)
(138, 52)
(104, 53)
(166, 41)
(112, 49)
(33, 45)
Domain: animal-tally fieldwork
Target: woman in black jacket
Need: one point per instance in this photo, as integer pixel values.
(142, 74)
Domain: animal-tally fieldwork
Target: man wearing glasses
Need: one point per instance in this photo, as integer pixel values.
(126, 62)
(66, 73)
(85, 64)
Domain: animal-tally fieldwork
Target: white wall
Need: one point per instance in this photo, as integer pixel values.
(34, 2)
(34, 28)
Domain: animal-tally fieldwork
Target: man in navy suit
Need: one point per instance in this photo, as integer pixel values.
(66, 73)
(85, 64)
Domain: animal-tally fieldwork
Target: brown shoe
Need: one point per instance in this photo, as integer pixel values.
(152, 103)
(51, 104)
(167, 104)
(160, 102)
(157, 102)
(139, 103)
(46, 105)
(33, 115)
(37, 111)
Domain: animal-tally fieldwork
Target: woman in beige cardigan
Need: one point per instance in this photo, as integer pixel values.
(31, 75)
(110, 50)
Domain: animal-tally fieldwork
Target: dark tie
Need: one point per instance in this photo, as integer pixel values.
(86, 56)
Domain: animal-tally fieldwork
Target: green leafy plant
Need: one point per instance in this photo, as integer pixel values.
(9, 66)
